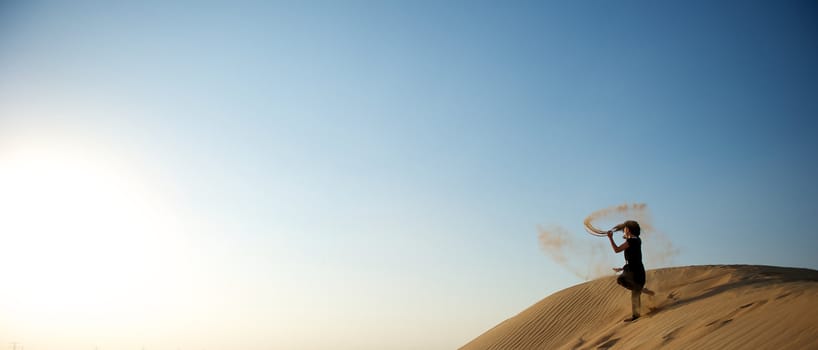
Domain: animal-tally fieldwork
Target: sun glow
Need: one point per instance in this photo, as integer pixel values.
(86, 241)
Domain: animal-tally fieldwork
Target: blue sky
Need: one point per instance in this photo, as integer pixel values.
(372, 174)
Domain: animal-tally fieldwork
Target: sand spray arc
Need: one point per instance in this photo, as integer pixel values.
(588, 258)
(636, 211)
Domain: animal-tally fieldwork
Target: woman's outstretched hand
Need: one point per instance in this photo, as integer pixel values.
(609, 233)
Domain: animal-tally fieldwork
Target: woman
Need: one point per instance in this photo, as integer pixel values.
(633, 273)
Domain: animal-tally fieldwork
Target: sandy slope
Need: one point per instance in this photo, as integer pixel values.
(696, 307)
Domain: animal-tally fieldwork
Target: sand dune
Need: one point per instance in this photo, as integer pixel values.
(696, 307)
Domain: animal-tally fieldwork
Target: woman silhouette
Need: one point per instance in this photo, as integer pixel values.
(633, 273)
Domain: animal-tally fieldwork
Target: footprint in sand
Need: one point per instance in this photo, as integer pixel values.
(782, 296)
(667, 338)
(607, 342)
(731, 316)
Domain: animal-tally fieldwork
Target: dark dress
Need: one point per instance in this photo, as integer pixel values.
(633, 273)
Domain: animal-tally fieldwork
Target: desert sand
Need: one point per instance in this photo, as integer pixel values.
(695, 307)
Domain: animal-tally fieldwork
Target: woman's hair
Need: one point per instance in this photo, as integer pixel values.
(633, 227)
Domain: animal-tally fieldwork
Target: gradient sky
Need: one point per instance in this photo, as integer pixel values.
(371, 175)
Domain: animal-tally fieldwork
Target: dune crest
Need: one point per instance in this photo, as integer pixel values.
(695, 307)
